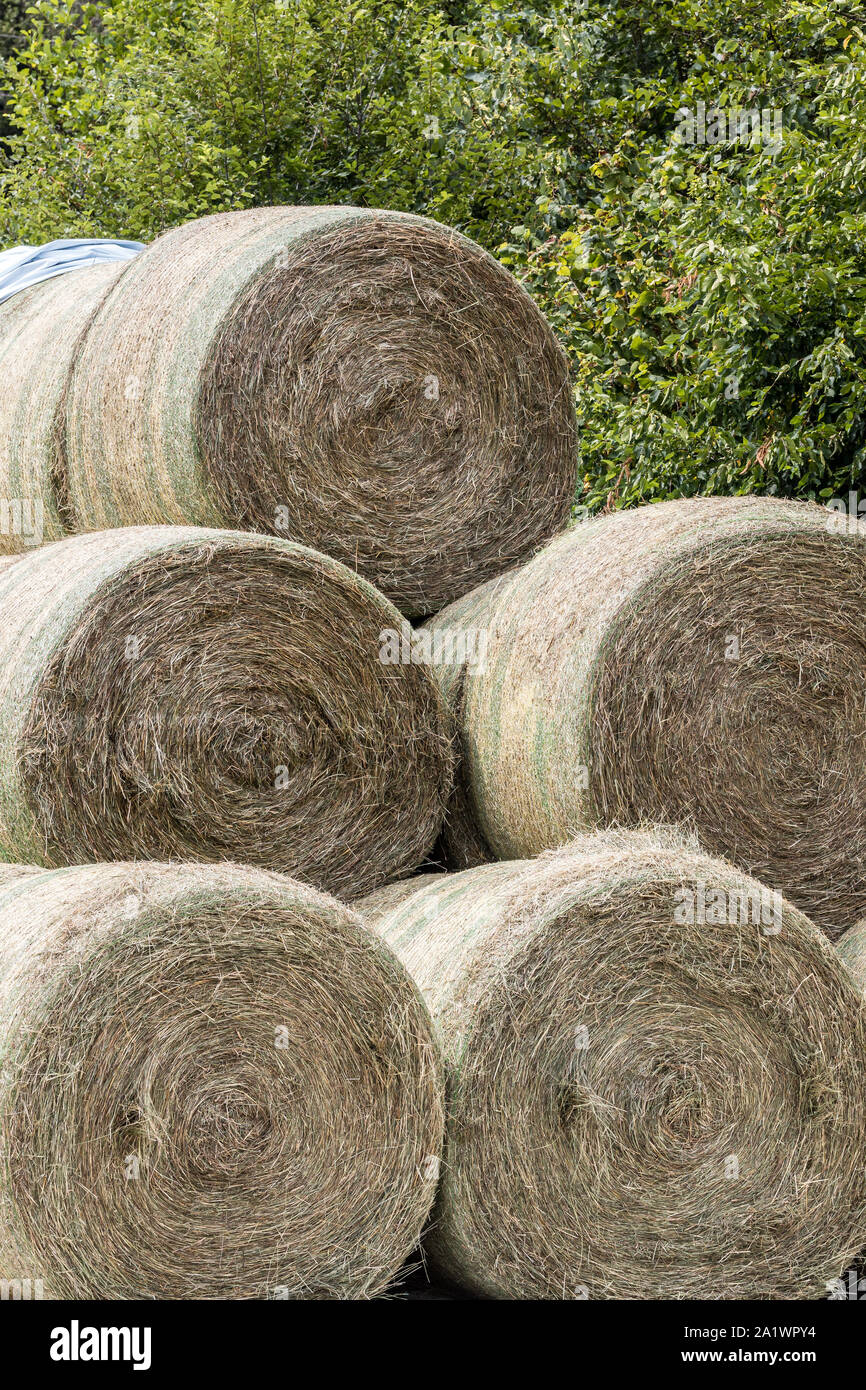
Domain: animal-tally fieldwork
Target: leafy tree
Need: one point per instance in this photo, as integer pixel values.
(12, 23)
(159, 111)
(135, 114)
(712, 296)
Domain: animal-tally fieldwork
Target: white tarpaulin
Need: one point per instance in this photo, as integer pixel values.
(27, 265)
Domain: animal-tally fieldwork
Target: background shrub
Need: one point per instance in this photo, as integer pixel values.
(711, 296)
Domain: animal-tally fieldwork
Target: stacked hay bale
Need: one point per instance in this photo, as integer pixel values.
(655, 1076)
(40, 332)
(697, 662)
(369, 383)
(172, 693)
(216, 1083)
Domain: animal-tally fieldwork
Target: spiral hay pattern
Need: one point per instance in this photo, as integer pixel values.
(643, 1104)
(215, 1084)
(40, 330)
(189, 694)
(369, 383)
(695, 662)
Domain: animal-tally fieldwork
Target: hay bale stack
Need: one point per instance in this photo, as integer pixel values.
(647, 1100)
(369, 383)
(852, 949)
(40, 330)
(216, 1084)
(171, 693)
(696, 662)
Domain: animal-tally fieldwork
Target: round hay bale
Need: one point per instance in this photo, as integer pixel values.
(216, 1084)
(695, 662)
(40, 330)
(852, 949)
(655, 1076)
(190, 694)
(369, 383)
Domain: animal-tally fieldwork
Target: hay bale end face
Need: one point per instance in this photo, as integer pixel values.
(40, 331)
(369, 383)
(650, 1058)
(216, 1084)
(189, 694)
(696, 662)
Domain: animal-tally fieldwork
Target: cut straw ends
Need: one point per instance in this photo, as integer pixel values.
(176, 693)
(216, 1084)
(650, 1057)
(699, 662)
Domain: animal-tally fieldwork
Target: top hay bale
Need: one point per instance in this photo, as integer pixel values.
(368, 383)
(698, 662)
(40, 330)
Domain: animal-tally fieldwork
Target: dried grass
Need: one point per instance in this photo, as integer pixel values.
(369, 383)
(216, 1084)
(613, 694)
(639, 1106)
(201, 695)
(40, 330)
(852, 949)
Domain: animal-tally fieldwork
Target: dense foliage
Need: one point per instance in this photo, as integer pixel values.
(712, 295)
(12, 26)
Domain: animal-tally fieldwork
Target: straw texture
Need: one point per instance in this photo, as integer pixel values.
(697, 662)
(40, 329)
(369, 383)
(461, 844)
(852, 949)
(189, 694)
(655, 1083)
(215, 1083)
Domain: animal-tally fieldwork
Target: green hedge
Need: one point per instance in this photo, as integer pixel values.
(711, 295)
